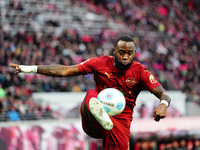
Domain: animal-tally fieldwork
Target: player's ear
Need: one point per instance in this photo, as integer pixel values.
(113, 51)
(134, 51)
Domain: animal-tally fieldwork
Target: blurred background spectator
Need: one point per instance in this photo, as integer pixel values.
(47, 32)
(68, 32)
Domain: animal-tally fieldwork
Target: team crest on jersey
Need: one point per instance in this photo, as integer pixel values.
(152, 79)
(130, 81)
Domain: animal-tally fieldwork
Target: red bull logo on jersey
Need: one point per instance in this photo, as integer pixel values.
(130, 81)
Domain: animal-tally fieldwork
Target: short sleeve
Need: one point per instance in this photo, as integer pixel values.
(149, 80)
(88, 66)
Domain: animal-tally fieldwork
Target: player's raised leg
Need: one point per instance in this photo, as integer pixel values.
(100, 114)
(92, 108)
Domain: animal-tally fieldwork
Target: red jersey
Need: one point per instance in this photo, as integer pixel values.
(130, 82)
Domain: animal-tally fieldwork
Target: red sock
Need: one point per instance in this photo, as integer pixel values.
(90, 94)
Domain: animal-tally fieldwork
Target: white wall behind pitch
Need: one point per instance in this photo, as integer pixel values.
(68, 100)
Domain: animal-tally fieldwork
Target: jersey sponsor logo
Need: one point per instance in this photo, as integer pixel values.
(130, 81)
(152, 79)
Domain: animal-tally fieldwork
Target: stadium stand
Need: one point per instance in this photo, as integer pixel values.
(57, 32)
(167, 35)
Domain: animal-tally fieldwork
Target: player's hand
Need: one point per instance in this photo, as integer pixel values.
(16, 66)
(160, 112)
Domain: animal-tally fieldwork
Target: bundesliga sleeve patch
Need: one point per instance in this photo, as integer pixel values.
(152, 79)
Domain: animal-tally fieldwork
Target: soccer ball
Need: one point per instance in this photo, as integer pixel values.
(112, 100)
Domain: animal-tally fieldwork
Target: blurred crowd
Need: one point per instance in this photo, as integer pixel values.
(156, 143)
(41, 137)
(174, 143)
(167, 35)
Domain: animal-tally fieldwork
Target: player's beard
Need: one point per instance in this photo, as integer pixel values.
(119, 65)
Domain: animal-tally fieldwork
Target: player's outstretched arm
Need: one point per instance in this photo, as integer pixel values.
(50, 70)
(161, 111)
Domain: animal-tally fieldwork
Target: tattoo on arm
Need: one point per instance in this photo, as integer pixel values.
(56, 70)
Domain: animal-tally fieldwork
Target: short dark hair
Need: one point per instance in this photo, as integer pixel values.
(125, 38)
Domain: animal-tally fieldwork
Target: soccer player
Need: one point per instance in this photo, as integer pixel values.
(120, 72)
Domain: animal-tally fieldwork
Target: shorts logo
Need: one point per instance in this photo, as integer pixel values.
(130, 81)
(152, 79)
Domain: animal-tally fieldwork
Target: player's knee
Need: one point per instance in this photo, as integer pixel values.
(86, 112)
(84, 107)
